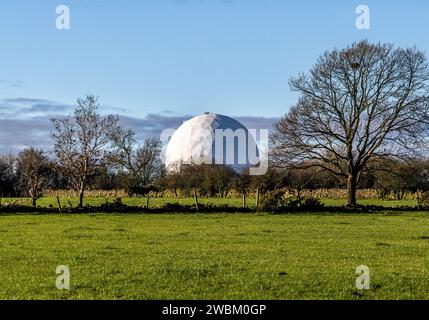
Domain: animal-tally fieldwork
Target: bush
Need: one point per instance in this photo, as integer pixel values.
(423, 200)
(273, 201)
(174, 207)
(276, 201)
(311, 203)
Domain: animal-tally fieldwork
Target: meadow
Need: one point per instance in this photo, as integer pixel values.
(158, 201)
(215, 256)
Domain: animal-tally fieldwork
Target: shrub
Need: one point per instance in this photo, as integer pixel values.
(311, 203)
(273, 201)
(174, 207)
(276, 201)
(423, 200)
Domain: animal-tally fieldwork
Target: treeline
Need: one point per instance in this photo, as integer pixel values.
(91, 151)
(32, 171)
(397, 177)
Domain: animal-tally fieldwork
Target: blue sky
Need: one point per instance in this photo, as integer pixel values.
(174, 58)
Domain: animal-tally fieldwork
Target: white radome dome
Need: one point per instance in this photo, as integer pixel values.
(195, 142)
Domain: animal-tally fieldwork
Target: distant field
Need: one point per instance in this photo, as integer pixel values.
(153, 202)
(377, 202)
(215, 256)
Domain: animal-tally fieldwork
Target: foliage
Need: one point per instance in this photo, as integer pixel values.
(273, 201)
(311, 203)
(423, 201)
(209, 180)
(8, 179)
(138, 166)
(279, 201)
(398, 178)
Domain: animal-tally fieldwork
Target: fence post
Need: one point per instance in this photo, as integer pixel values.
(59, 204)
(196, 200)
(244, 199)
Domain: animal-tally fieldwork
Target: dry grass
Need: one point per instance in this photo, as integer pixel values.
(317, 193)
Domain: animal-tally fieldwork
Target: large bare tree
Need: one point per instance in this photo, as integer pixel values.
(80, 142)
(363, 102)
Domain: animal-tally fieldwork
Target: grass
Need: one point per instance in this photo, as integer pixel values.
(153, 202)
(376, 202)
(134, 201)
(215, 256)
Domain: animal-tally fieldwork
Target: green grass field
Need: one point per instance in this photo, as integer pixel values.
(215, 256)
(153, 202)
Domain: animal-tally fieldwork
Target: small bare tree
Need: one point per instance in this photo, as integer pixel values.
(299, 179)
(366, 101)
(33, 171)
(142, 164)
(80, 142)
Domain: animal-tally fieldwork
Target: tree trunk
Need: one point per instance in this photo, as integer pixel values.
(244, 199)
(34, 202)
(351, 190)
(147, 201)
(59, 204)
(257, 198)
(298, 196)
(81, 193)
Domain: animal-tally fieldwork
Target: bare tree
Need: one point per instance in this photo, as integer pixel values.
(392, 175)
(366, 101)
(33, 170)
(142, 164)
(299, 179)
(80, 142)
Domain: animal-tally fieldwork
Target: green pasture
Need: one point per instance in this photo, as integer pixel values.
(215, 256)
(154, 202)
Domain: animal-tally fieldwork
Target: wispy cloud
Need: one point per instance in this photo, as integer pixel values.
(12, 83)
(27, 108)
(153, 124)
(26, 122)
(16, 134)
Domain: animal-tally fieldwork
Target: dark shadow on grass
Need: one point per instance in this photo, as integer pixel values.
(176, 208)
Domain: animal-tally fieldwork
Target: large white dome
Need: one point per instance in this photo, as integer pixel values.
(212, 139)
